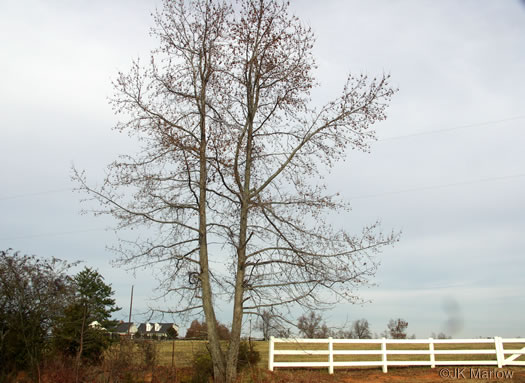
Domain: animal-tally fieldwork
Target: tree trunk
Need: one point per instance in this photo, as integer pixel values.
(233, 351)
(207, 301)
(81, 346)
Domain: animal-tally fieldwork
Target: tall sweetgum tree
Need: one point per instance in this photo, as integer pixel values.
(227, 181)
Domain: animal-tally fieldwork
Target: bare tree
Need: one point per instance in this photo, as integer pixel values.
(397, 328)
(311, 325)
(270, 324)
(343, 334)
(226, 181)
(265, 324)
(361, 329)
(284, 333)
(440, 335)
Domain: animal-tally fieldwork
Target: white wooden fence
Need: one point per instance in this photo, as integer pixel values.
(502, 356)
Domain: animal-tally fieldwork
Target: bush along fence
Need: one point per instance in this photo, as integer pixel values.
(294, 353)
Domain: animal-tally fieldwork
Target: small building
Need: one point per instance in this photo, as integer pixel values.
(125, 328)
(97, 325)
(158, 329)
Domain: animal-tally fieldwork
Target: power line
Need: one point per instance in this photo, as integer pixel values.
(443, 186)
(436, 131)
(51, 234)
(416, 189)
(35, 194)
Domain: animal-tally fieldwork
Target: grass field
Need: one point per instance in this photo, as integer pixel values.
(185, 350)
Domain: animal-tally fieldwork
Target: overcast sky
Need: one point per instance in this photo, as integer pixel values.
(448, 169)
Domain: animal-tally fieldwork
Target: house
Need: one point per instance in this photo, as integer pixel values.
(97, 325)
(158, 329)
(125, 328)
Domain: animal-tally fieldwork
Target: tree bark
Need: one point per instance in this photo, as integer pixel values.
(207, 295)
(81, 345)
(231, 144)
(233, 351)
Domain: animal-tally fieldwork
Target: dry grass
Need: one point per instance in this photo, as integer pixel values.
(185, 350)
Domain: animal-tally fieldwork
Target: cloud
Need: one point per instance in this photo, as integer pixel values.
(455, 63)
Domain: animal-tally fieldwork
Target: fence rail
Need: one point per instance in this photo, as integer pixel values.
(502, 356)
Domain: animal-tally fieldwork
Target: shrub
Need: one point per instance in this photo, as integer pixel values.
(248, 356)
(33, 294)
(202, 367)
(119, 363)
(149, 353)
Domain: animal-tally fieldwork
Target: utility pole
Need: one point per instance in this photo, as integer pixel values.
(130, 308)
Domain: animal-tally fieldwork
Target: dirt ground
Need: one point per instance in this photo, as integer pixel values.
(401, 375)
(394, 375)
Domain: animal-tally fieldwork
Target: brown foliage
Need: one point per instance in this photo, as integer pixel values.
(397, 328)
(198, 330)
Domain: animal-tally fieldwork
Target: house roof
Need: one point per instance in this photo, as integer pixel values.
(162, 330)
(123, 327)
(96, 324)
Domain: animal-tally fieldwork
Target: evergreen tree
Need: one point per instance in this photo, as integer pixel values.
(82, 331)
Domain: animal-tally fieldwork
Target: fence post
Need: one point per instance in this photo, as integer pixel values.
(270, 353)
(383, 348)
(432, 354)
(330, 355)
(498, 344)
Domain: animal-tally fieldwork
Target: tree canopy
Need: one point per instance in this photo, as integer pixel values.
(397, 328)
(82, 329)
(198, 330)
(96, 296)
(228, 179)
(33, 294)
(311, 326)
